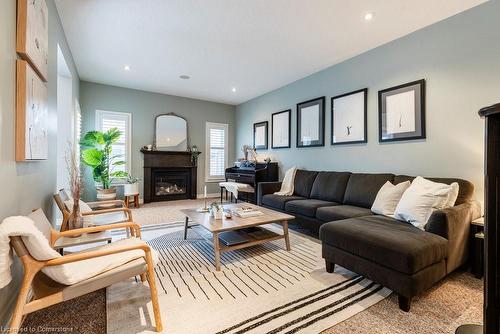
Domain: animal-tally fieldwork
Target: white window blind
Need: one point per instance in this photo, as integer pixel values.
(106, 120)
(216, 142)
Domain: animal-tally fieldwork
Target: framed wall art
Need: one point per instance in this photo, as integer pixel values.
(31, 115)
(260, 135)
(280, 129)
(401, 112)
(32, 34)
(349, 118)
(311, 123)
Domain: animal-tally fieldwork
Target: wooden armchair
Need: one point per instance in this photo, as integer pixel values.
(103, 212)
(38, 291)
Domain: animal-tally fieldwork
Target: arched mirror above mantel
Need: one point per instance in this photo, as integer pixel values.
(171, 133)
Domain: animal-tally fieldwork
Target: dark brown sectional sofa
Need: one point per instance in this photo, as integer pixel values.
(408, 260)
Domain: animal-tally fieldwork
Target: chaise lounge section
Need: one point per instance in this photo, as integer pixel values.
(408, 260)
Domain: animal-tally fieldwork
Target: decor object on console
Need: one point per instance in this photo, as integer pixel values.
(281, 124)
(98, 155)
(311, 123)
(401, 112)
(260, 135)
(32, 35)
(245, 150)
(171, 133)
(349, 118)
(31, 115)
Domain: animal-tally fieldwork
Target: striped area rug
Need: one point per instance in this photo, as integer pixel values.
(262, 289)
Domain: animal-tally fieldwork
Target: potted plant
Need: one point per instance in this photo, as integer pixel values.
(132, 186)
(97, 154)
(216, 210)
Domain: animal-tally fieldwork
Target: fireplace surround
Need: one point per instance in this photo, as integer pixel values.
(169, 175)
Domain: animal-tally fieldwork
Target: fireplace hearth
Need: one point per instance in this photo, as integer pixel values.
(169, 176)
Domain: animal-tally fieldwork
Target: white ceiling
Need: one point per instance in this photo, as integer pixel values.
(253, 45)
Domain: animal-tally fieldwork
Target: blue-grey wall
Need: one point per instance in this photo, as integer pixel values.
(460, 60)
(26, 185)
(144, 107)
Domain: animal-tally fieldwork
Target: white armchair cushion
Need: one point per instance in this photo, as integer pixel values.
(74, 272)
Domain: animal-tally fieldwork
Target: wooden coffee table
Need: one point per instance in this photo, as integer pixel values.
(216, 227)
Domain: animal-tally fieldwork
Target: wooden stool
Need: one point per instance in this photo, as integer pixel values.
(128, 202)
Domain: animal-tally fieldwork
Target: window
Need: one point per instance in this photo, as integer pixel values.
(106, 120)
(78, 129)
(216, 161)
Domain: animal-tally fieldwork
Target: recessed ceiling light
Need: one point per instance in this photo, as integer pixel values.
(234, 90)
(184, 77)
(368, 16)
(126, 67)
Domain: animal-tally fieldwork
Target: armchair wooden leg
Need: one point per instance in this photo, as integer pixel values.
(143, 277)
(17, 315)
(330, 267)
(154, 294)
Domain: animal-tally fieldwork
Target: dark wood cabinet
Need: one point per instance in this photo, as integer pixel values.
(492, 219)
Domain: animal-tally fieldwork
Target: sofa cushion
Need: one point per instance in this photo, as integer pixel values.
(331, 213)
(278, 201)
(386, 241)
(306, 207)
(303, 182)
(465, 188)
(330, 186)
(363, 188)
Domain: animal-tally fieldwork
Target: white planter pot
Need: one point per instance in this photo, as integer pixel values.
(217, 214)
(131, 188)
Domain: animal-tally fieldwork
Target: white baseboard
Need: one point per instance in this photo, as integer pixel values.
(213, 195)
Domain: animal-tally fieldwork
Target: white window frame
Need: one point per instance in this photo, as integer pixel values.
(128, 145)
(208, 126)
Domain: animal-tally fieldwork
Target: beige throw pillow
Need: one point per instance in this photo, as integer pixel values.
(388, 198)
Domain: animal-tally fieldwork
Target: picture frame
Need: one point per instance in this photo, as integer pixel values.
(281, 124)
(401, 112)
(260, 135)
(32, 35)
(349, 118)
(311, 123)
(31, 115)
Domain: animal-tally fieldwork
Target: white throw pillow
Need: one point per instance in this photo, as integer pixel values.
(388, 198)
(453, 195)
(420, 200)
